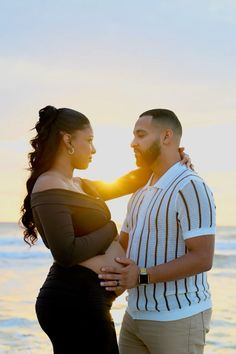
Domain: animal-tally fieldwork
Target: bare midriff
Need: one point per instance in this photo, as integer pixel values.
(107, 259)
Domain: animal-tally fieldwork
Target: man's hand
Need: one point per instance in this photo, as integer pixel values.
(125, 278)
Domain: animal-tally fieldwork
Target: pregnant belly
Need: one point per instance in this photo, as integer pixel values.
(107, 259)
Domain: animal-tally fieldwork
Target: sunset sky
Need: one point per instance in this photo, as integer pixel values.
(112, 60)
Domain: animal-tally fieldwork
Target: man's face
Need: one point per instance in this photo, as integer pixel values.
(146, 142)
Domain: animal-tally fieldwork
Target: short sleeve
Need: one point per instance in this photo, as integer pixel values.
(195, 208)
(126, 227)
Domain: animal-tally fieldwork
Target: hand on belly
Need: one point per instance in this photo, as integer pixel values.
(107, 259)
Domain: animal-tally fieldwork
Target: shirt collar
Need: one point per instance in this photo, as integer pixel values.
(168, 176)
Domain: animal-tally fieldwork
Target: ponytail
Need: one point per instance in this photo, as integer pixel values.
(45, 145)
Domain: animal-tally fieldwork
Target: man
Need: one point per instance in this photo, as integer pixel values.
(169, 235)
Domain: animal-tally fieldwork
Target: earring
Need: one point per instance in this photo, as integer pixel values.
(71, 150)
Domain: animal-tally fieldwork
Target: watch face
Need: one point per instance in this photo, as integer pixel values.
(143, 278)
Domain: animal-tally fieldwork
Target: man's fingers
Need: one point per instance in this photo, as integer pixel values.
(110, 270)
(124, 261)
(111, 288)
(108, 276)
(112, 283)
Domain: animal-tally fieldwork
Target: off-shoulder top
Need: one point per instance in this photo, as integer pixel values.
(77, 226)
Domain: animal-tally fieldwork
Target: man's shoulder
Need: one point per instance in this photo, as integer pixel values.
(194, 186)
(190, 178)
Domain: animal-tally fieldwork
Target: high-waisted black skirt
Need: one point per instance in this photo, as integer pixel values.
(74, 311)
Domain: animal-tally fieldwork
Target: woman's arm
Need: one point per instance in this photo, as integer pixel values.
(124, 185)
(58, 230)
(131, 182)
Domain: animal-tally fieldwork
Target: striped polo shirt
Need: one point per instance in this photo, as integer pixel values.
(159, 219)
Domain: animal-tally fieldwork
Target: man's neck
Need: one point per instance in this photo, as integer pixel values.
(161, 165)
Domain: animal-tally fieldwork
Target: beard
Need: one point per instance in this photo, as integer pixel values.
(147, 157)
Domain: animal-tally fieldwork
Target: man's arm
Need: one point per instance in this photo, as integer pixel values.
(198, 259)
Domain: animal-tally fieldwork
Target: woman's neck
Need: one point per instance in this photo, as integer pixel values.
(63, 168)
(63, 171)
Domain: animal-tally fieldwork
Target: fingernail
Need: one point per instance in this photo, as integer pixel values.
(99, 276)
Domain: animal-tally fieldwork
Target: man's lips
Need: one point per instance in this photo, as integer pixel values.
(137, 152)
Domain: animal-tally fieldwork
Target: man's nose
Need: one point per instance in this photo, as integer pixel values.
(93, 149)
(133, 143)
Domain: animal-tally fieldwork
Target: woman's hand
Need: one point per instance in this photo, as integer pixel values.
(185, 159)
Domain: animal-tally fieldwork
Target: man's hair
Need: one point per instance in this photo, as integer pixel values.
(165, 117)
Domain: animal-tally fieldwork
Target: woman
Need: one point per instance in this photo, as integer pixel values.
(75, 224)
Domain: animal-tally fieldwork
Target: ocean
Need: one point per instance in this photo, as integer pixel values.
(24, 269)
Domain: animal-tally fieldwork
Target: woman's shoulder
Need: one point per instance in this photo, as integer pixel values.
(47, 181)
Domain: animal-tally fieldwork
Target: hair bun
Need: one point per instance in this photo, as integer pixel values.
(47, 116)
(47, 113)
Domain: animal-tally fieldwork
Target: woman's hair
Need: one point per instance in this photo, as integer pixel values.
(52, 122)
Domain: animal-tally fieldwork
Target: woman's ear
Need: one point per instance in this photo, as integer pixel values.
(66, 138)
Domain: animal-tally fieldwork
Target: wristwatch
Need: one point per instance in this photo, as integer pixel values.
(143, 276)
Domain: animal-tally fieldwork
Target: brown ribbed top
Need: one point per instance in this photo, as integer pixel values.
(77, 226)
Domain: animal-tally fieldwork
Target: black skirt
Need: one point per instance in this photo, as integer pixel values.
(74, 311)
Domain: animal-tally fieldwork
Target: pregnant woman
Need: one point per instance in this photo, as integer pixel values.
(75, 224)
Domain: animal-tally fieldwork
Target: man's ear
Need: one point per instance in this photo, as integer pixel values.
(167, 136)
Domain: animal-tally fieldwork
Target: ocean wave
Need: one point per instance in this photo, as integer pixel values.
(26, 255)
(224, 261)
(16, 322)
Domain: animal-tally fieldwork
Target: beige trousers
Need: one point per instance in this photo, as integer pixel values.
(185, 336)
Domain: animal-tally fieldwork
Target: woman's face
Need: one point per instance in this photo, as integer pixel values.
(82, 142)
